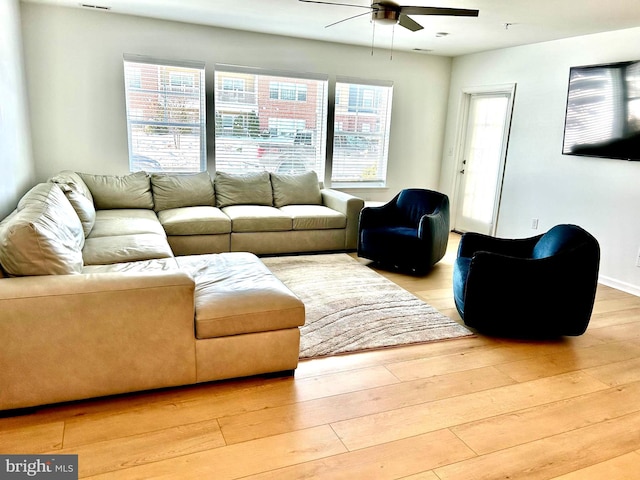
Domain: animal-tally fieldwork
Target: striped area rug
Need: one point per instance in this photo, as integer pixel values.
(350, 307)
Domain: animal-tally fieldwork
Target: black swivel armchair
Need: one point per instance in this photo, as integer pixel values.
(409, 233)
(542, 286)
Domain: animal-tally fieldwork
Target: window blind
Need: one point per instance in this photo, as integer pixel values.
(362, 120)
(165, 107)
(269, 120)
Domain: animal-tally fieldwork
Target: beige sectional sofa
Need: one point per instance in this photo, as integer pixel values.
(114, 284)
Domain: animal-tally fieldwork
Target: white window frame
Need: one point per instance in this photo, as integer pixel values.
(184, 116)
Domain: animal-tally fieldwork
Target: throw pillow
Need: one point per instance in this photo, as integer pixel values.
(243, 189)
(73, 180)
(302, 189)
(79, 196)
(83, 206)
(112, 191)
(175, 191)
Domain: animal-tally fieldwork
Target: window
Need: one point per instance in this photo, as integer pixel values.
(362, 98)
(361, 133)
(278, 125)
(233, 84)
(288, 91)
(134, 78)
(165, 104)
(181, 82)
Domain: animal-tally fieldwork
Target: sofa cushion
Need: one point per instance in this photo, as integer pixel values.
(257, 218)
(43, 236)
(302, 189)
(125, 221)
(143, 266)
(236, 294)
(125, 248)
(175, 191)
(314, 217)
(194, 221)
(243, 189)
(113, 191)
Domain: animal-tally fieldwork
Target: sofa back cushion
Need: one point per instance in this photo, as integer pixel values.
(176, 191)
(113, 191)
(43, 236)
(302, 189)
(243, 189)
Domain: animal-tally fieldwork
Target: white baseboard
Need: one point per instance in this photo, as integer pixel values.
(618, 285)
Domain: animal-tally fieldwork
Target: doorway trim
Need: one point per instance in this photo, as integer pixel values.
(463, 116)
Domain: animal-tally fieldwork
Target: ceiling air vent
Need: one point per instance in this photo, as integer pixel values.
(94, 7)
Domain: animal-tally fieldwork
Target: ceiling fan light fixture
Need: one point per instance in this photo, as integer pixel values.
(385, 16)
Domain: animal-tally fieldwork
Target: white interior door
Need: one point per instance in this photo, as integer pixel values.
(486, 121)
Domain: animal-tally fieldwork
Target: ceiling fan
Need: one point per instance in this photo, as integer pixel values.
(390, 13)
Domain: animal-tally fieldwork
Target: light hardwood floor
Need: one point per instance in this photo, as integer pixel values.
(470, 409)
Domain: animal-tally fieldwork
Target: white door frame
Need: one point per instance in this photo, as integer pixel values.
(463, 117)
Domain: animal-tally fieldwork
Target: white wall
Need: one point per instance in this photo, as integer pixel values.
(601, 195)
(16, 163)
(75, 78)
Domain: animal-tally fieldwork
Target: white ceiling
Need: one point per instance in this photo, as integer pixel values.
(530, 21)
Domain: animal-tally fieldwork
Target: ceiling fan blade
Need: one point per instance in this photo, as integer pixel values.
(409, 23)
(453, 12)
(336, 3)
(345, 19)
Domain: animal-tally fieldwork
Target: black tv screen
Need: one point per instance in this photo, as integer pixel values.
(603, 111)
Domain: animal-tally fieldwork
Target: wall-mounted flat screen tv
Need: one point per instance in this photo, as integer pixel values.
(603, 111)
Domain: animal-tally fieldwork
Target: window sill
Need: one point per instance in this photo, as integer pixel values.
(358, 186)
